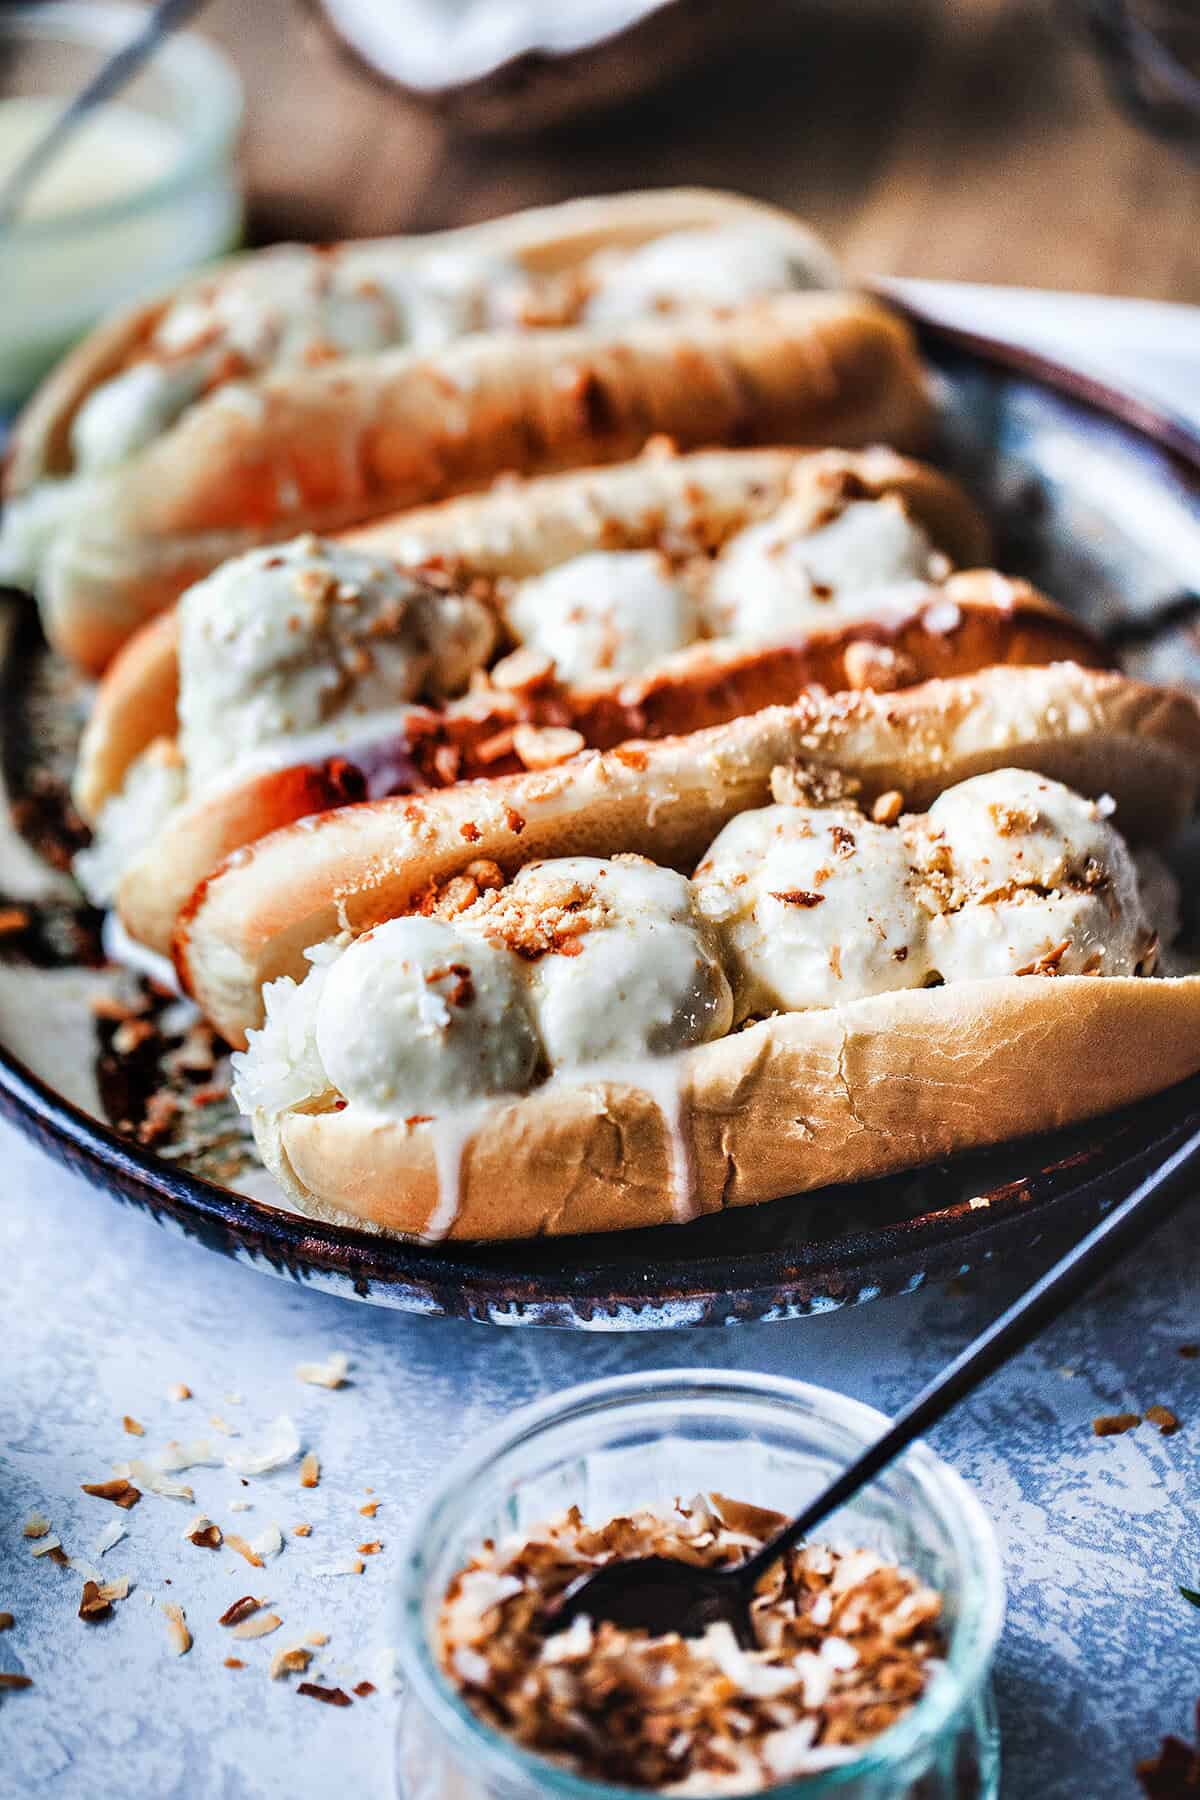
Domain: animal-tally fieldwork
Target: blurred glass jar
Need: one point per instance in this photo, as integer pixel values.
(644, 1439)
(145, 191)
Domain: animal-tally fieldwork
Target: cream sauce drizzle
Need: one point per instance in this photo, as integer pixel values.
(658, 1077)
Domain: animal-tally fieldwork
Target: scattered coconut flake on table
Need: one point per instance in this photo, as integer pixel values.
(179, 1391)
(282, 1447)
(240, 1609)
(132, 1427)
(329, 1374)
(45, 1545)
(239, 1544)
(151, 1481)
(203, 1533)
(112, 1534)
(310, 1470)
(260, 1625)
(293, 1661)
(35, 1526)
(177, 1631)
(345, 1565)
(198, 1454)
(269, 1541)
(121, 1492)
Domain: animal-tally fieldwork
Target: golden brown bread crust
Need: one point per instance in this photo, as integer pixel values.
(524, 527)
(527, 527)
(546, 240)
(996, 622)
(1099, 732)
(324, 447)
(784, 1106)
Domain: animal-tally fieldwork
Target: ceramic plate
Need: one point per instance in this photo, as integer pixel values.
(1094, 497)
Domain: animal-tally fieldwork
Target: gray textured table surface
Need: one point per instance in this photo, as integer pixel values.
(104, 1312)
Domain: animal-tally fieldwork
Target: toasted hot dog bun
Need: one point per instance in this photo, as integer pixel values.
(993, 621)
(319, 448)
(525, 528)
(544, 240)
(793, 1103)
(357, 866)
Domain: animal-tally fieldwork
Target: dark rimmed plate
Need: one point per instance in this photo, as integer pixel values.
(1095, 497)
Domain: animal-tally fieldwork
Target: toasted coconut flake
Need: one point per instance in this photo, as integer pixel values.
(46, 1546)
(177, 1631)
(11, 1683)
(329, 1374)
(281, 1448)
(6, 1621)
(117, 1589)
(370, 1509)
(241, 1609)
(1164, 1418)
(318, 1638)
(261, 1625)
(234, 1662)
(179, 1390)
(310, 1470)
(304, 1529)
(363, 1688)
(197, 1453)
(345, 1565)
(35, 1526)
(722, 1717)
(269, 1541)
(112, 1534)
(331, 1696)
(132, 1427)
(371, 1549)
(203, 1533)
(234, 1542)
(93, 1605)
(121, 1492)
(292, 1661)
(1114, 1424)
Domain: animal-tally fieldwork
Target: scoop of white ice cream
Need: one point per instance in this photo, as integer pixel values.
(724, 265)
(285, 640)
(787, 574)
(608, 612)
(1025, 875)
(633, 970)
(813, 906)
(416, 1017)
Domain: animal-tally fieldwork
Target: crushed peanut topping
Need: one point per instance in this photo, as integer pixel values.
(846, 1645)
(807, 784)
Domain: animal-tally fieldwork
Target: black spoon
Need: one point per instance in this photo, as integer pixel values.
(659, 1595)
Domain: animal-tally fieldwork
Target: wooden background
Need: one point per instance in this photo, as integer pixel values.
(960, 138)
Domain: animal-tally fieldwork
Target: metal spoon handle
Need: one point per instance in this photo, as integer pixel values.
(112, 75)
(1083, 1265)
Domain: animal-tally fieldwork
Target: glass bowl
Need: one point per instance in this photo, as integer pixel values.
(61, 272)
(644, 1439)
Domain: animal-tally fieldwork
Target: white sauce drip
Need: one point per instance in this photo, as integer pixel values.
(119, 947)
